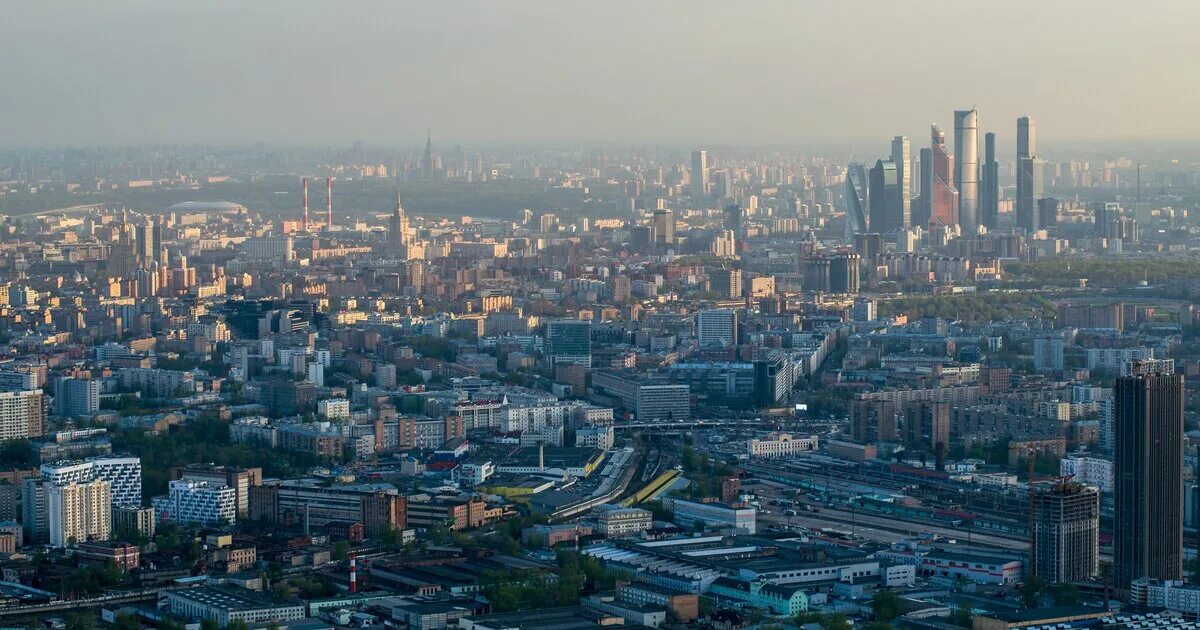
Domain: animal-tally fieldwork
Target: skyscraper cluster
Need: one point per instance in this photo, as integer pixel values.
(949, 189)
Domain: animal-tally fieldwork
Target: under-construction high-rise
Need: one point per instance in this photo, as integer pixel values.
(1066, 532)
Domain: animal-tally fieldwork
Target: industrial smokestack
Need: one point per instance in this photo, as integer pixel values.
(328, 202)
(304, 220)
(541, 456)
(353, 574)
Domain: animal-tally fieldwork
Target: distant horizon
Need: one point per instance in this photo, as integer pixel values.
(673, 73)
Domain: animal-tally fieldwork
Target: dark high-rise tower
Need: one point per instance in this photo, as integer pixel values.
(1148, 477)
(922, 206)
(901, 155)
(700, 183)
(989, 194)
(887, 209)
(856, 199)
(1029, 175)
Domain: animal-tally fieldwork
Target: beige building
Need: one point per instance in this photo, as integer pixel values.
(781, 445)
(78, 512)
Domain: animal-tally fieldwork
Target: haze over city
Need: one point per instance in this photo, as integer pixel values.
(677, 72)
(664, 315)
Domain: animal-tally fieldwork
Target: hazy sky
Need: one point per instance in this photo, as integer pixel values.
(648, 71)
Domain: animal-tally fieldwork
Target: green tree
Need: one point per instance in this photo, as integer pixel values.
(961, 616)
(80, 621)
(237, 624)
(885, 605)
(341, 550)
(1030, 591)
(1065, 594)
(126, 621)
(836, 622)
(209, 624)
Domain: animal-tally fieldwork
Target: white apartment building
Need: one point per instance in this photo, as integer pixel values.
(472, 475)
(781, 445)
(22, 414)
(1111, 359)
(601, 437)
(78, 512)
(717, 326)
(124, 475)
(1091, 470)
(1169, 594)
(202, 502)
(333, 408)
(535, 418)
(281, 249)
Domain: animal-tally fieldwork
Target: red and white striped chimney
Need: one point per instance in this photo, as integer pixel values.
(353, 574)
(328, 202)
(304, 220)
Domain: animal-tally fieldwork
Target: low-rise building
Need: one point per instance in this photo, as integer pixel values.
(1169, 594)
(975, 568)
(615, 522)
(126, 557)
(782, 600)
(599, 437)
(225, 604)
(684, 607)
(781, 445)
(553, 535)
(693, 514)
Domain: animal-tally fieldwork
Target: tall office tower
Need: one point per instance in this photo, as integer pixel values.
(716, 326)
(22, 414)
(1026, 137)
(922, 206)
(727, 282)
(569, 341)
(939, 188)
(77, 397)
(886, 209)
(989, 193)
(78, 512)
(966, 168)
(664, 226)
(700, 186)
(1066, 533)
(856, 199)
(1029, 175)
(901, 155)
(1148, 476)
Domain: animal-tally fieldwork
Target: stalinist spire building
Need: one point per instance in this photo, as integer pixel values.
(400, 235)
